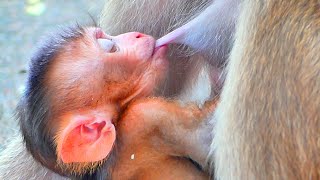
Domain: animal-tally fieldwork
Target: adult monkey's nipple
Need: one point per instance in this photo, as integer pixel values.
(174, 37)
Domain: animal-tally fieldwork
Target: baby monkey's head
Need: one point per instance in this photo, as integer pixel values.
(79, 82)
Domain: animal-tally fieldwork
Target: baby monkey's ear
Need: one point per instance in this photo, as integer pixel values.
(85, 138)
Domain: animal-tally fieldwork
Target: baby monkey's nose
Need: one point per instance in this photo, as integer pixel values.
(140, 35)
(135, 35)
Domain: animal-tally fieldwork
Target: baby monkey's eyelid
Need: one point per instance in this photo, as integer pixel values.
(114, 48)
(107, 45)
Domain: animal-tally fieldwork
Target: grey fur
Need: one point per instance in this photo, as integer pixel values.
(17, 164)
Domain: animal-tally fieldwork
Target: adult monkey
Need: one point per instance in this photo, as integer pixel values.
(266, 125)
(11, 167)
(268, 121)
(265, 138)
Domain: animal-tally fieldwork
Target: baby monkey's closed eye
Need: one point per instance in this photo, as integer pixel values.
(107, 45)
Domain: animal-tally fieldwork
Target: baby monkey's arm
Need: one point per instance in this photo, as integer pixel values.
(181, 130)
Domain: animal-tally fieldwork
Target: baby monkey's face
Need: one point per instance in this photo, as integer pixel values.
(100, 68)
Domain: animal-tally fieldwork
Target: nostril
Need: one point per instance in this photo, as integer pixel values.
(139, 35)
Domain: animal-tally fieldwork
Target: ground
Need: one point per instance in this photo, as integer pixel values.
(22, 24)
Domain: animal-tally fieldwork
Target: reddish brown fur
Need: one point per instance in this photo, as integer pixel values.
(82, 81)
(157, 132)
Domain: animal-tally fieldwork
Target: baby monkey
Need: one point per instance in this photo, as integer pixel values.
(86, 109)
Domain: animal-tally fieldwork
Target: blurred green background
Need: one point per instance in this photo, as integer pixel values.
(22, 23)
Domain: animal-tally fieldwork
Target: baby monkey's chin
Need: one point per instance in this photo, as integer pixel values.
(160, 55)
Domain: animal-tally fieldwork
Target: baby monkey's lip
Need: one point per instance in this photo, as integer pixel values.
(159, 52)
(156, 49)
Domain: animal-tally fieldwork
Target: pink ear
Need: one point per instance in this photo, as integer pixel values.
(86, 139)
